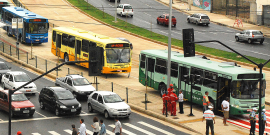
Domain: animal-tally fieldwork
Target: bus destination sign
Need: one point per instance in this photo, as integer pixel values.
(116, 45)
(37, 20)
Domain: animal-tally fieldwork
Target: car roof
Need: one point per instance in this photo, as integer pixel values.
(16, 72)
(251, 30)
(6, 91)
(75, 76)
(105, 92)
(125, 4)
(56, 88)
(201, 14)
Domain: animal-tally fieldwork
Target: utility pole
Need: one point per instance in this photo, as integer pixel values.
(115, 5)
(17, 43)
(169, 47)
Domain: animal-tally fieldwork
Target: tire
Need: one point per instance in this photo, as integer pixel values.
(41, 105)
(121, 14)
(162, 89)
(261, 42)
(78, 113)
(90, 108)
(106, 115)
(56, 112)
(249, 41)
(188, 20)
(236, 38)
(31, 114)
(157, 22)
(197, 23)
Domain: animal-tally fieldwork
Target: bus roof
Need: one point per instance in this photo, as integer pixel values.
(200, 63)
(84, 34)
(23, 13)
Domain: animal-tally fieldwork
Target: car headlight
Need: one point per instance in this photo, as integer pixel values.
(113, 110)
(62, 106)
(128, 109)
(32, 108)
(17, 109)
(80, 105)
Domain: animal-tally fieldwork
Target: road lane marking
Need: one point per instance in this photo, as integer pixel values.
(36, 134)
(68, 131)
(89, 132)
(53, 133)
(163, 32)
(124, 130)
(177, 32)
(148, 5)
(41, 114)
(83, 112)
(111, 5)
(56, 12)
(47, 118)
(139, 129)
(146, 13)
(155, 128)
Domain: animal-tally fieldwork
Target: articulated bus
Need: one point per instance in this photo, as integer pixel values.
(219, 79)
(35, 27)
(73, 44)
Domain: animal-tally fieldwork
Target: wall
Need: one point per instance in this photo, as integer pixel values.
(260, 9)
(204, 4)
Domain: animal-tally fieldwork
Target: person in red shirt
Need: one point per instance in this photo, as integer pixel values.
(170, 90)
(165, 97)
(19, 133)
(173, 98)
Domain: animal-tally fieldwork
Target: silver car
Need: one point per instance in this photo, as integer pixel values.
(250, 36)
(108, 103)
(199, 19)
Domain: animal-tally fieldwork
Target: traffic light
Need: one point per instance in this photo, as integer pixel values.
(189, 48)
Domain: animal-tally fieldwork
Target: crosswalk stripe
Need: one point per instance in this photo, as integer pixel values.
(68, 131)
(139, 129)
(89, 132)
(124, 130)
(36, 134)
(53, 133)
(153, 127)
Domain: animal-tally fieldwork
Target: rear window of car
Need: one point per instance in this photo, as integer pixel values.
(204, 17)
(127, 7)
(167, 17)
(257, 33)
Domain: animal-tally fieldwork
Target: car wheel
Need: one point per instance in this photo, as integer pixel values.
(157, 22)
(249, 41)
(188, 20)
(197, 23)
(261, 42)
(236, 38)
(31, 114)
(131, 16)
(121, 14)
(106, 115)
(90, 109)
(162, 89)
(41, 105)
(56, 111)
(78, 113)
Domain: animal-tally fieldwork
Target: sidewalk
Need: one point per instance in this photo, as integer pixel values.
(215, 18)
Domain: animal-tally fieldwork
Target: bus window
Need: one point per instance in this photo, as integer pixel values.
(161, 66)
(71, 41)
(210, 80)
(184, 71)
(85, 45)
(197, 71)
(174, 71)
(65, 39)
(142, 64)
(54, 36)
(247, 89)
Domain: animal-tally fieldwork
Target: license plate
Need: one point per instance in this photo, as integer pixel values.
(249, 110)
(73, 110)
(28, 90)
(25, 111)
(119, 70)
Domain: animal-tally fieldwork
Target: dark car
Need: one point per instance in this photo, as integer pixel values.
(60, 100)
(164, 20)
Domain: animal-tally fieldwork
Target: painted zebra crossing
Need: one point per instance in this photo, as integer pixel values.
(243, 121)
(128, 129)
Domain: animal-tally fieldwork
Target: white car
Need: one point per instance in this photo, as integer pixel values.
(108, 103)
(15, 79)
(125, 10)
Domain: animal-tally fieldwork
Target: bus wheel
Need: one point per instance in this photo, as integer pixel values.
(162, 89)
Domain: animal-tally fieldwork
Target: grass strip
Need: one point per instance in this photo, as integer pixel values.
(146, 32)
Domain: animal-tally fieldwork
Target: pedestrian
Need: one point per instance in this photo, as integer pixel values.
(118, 127)
(165, 98)
(82, 130)
(209, 116)
(181, 101)
(264, 120)
(225, 108)
(103, 128)
(170, 90)
(19, 133)
(173, 99)
(95, 126)
(74, 131)
(252, 117)
(206, 101)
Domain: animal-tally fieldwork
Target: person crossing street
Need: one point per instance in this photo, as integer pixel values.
(252, 117)
(210, 118)
(173, 99)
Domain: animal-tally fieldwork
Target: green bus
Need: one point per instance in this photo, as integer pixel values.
(221, 80)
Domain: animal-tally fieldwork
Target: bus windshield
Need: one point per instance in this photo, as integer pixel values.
(118, 55)
(247, 89)
(37, 28)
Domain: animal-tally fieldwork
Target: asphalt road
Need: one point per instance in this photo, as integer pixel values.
(44, 122)
(147, 11)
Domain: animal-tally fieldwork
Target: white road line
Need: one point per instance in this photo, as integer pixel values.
(248, 121)
(89, 132)
(146, 13)
(56, 12)
(177, 33)
(40, 114)
(213, 33)
(139, 129)
(147, 22)
(124, 130)
(36, 134)
(53, 133)
(200, 32)
(68, 131)
(83, 112)
(156, 128)
(163, 32)
(148, 6)
(241, 125)
(111, 5)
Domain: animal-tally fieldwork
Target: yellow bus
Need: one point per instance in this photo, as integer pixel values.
(72, 44)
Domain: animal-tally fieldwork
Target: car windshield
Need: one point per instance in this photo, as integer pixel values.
(18, 97)
(257, 33)
(3, 66)
(80, 81)
(118, 55)
(113, 98)
(167, 17)
(205, 17)
(64, 95)
(127, 7)
(22, 78)
(247, 89)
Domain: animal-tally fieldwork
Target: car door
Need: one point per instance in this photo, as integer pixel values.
(119, 9)
(5, 79)
(94, 101)
(10, 82)
(100, 103)
(162, 19)
(246, 36)
(69, 85)
(241, 34)
(192, 18)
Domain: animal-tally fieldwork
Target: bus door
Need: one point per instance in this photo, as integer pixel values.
(184, 70)
(58, 44)
(78, 51)
(223, 90)
(149, 71)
